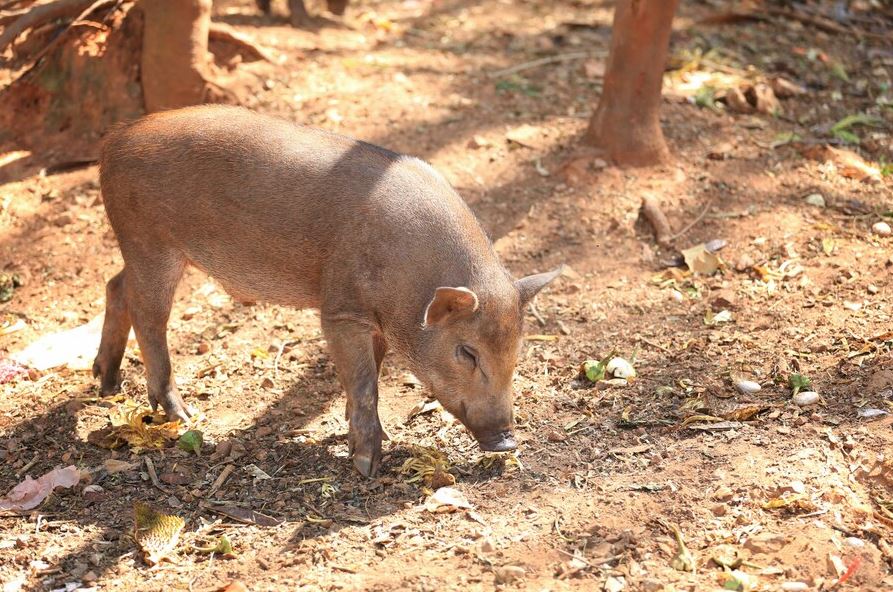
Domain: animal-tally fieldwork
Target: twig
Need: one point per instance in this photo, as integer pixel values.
(279, 356)
(536, 314)
(654, 344)
(655, 216)
(224, 474)
(24, 469)
(565, 57)
(153, 476)
(693, 222)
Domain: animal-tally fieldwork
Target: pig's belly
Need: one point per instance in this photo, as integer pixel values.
(252, 273)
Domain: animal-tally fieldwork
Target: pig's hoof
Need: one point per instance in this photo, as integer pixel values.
(365, 464)
(174, 406)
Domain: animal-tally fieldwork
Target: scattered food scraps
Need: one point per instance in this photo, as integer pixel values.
(156, 534)
(30, 493)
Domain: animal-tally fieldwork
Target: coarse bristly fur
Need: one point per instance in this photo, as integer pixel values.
(377, 241)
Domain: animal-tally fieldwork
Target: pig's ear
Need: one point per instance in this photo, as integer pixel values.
(529, 286)
(450, 304)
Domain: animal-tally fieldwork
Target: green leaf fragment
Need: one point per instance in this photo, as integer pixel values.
(798, 382)
(191, 441)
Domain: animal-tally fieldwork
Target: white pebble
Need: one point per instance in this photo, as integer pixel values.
(747, 387)
(794, 586)
(881, 228)
(804, 398)
(815, 199)
(620, 368)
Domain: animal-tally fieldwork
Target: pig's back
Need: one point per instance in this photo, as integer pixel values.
(269, 208)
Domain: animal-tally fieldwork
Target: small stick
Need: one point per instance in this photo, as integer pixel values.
(24, 469)
(279, 356)
(537, 63)
(153, 476)
(224, 474)
(693, 222)
(536, 314)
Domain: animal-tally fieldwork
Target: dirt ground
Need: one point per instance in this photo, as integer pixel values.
(603, 470)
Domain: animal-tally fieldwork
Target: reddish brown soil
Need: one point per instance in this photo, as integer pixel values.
(603, 467)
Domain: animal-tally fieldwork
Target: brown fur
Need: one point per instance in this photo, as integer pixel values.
(305, 218)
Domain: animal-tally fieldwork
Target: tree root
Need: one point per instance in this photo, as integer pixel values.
(226, 34)
(79, 20)
(39, 15)
(655, 216)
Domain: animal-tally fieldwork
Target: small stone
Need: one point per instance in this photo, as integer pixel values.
(651, 585)
(62, 220)
(815, 199)
(881, 229)
(765, 542)
(723, 494)
(719, 510)
(747, 387)
(508, 574)
(554, 435)
(90, 576)
(203, 348)
(478, 142)
(794, 586)
(797, 487)
(267, 383)
(615, 583)
(785, 89)
(264, 431)
(487, 546)
(805, 398)
(174, 478)
(190, 312)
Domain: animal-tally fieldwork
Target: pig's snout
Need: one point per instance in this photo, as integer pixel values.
(500, 442)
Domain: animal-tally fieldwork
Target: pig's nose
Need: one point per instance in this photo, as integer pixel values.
(501, 442)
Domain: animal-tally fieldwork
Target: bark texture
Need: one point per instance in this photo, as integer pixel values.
(174, 59)
(626, 123)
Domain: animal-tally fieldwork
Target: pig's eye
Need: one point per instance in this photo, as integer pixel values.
(467, 355)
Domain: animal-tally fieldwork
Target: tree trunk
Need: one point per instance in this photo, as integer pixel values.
(175, 62)
(626, 124)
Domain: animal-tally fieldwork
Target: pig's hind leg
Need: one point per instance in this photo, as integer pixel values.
(151, 279)
(115, 330)
(357, 355)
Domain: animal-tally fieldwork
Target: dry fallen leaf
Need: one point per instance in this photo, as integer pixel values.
(447, 499)
(848, 163)
(700, 260)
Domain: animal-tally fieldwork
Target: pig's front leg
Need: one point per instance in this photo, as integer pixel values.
(357, 352)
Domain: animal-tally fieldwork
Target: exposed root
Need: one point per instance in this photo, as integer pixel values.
(655, 216)
(40, 14)
(226, 34)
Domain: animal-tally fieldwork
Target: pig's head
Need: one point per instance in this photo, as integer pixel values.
(469, 351)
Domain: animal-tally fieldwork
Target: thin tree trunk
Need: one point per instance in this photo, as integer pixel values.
(175, 60)
(626, 123)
